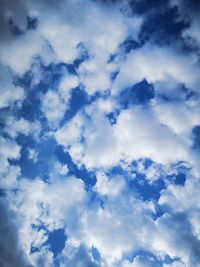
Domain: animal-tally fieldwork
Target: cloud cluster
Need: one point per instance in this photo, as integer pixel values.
(99, 133)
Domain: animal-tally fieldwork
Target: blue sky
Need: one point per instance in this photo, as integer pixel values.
(99, 133)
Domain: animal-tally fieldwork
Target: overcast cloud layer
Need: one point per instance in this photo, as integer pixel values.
(100, 133)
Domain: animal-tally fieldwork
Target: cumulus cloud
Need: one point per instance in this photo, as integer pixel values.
(104, 156)
(188, 12)
(11, 252)
(53, 107)
(170, 65)
(132, 137)
(9, 93)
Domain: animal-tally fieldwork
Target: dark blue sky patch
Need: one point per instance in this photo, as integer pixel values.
(180, 179)
(79, 99)
(114, 75)
(100, 94)
(95, 254)
(159, 210)
(145, 190)
(128, 45)
(112, 116)
(32, 23)
(43, 165)
(52, 75)
(56, 241)
(138, 94)
(84, 55)
(162, 27)
(117, 170)
(87, 176)
(145, 254)
(34, 249)
(2, 192)
(196, 137)
(14, 29)
(31, 107)
(144, 6)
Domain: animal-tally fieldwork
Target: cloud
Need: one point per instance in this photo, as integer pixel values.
(170, 65)
(177, 237)
(11, 251)
(188, 12)
(82, 158)
(109, 187)
(131, 138)
(9, 93)
(15, 127)
(140, 261)
(53, 107)
(79, 257)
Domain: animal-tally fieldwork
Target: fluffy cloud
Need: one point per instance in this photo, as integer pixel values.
(53, 107)
(170, 65)
(140, 261)
(8, 91)
(131, 138)
(85, 44)
(188, 12)
(109, 187)
(15, 127)
(11, 252)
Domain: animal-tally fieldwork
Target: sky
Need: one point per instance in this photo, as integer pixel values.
(99, 133)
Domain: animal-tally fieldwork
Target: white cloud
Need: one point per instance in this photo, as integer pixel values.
(33, 154)
(115, 231)
(67, 84)
(189, 13)
(9, 173)
(9, 93)
(170, 65)
(109, 186)
(175, 238)
(171, 114)
(53, 107)
(58, 204)
(70, 133)
(141, 261)
(15, 126)
(11, 252)
(131, 138)
(18, 53)
(113, 221)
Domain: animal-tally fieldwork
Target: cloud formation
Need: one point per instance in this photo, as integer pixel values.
(99, 109)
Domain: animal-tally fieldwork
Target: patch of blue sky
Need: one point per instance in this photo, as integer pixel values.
(56, 241)
(45, 150)
(52, 74)
(138, 94)
(161, 27)
(31, 24)
(148, 190)
(78, 100)
(138, 184)
(95, 254)
(84, 55)
(145, 190)
(129, 45)
(82, 173)
(112, 116)
(196, 137)
(145, 254)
